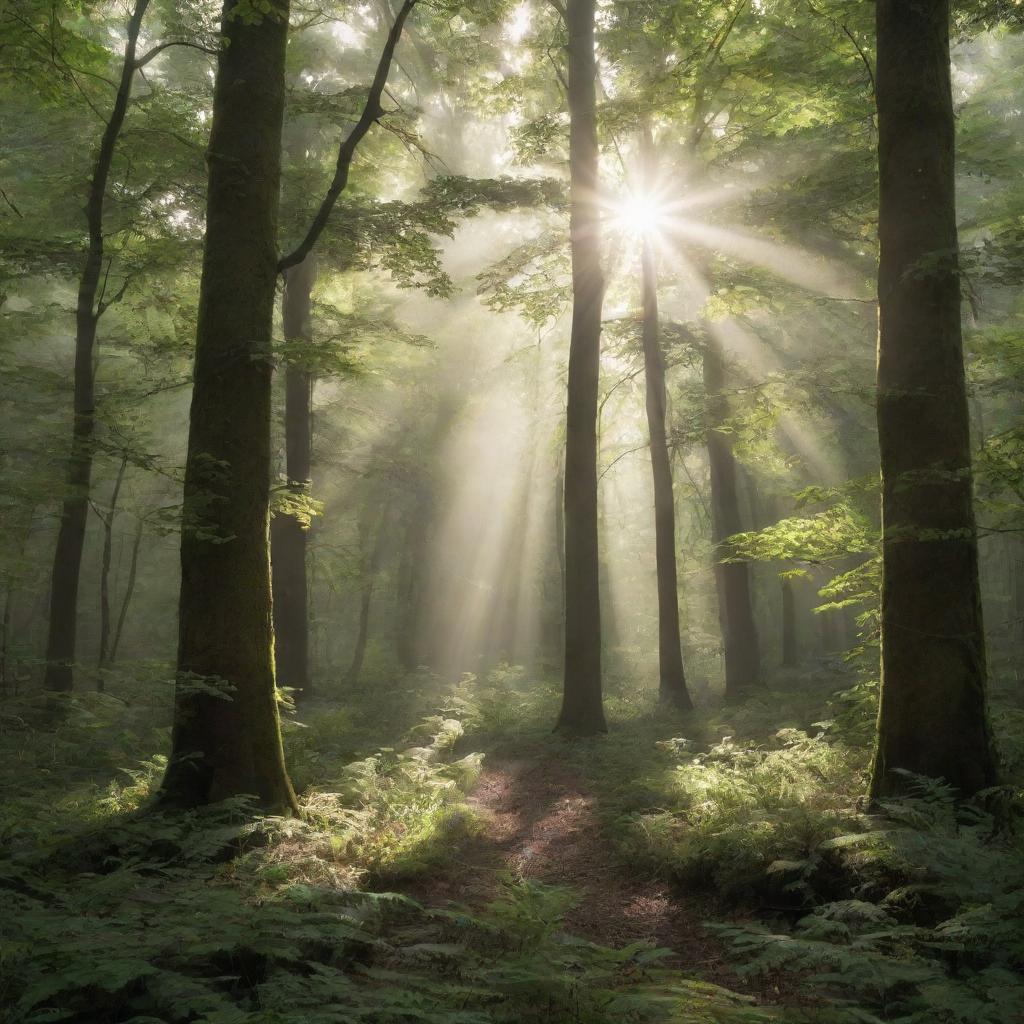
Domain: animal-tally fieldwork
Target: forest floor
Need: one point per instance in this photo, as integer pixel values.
(539, 819)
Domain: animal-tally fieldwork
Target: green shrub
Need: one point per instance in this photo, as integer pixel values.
(741, 807)
(936, 933)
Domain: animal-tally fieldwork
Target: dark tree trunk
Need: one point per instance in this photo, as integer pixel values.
(582, 710)
(933, 718)
(672, 681)
(129, 590)
(288, 534)
(108, 518)
(227, 737)
(732, 579)
(91, 304)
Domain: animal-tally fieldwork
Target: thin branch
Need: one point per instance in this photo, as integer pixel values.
(863, 56)
(115, 298)
(849, 35)
(9, 202)
(622, 455)
(372, 112)
(142, 61)
(559, 74)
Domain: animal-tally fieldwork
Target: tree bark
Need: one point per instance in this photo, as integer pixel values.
(91, 304)
(582, 710)
(108, 518)
(672, 680)
(226, 739)
(740, 644)
(129, 589)
(288, 535)
(932, 718)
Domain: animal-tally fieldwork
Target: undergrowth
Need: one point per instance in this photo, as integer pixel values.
(933, 931)
(911, 913)
(116, 914)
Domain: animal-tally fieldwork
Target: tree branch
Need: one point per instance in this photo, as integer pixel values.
(142, 61)
(372, 111)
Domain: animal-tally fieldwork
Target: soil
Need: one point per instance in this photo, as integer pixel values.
(540, 821)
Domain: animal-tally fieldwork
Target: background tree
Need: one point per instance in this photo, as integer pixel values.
(93, 300)
(672, 680)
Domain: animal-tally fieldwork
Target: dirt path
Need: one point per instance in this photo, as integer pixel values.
(540, 821)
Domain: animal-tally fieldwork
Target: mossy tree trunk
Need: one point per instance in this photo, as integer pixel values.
(740, 645)
(289, 534)
(582, 710)
(227, 738)
(932, 718)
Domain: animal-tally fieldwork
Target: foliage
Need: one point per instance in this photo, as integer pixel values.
(741, 807)
(933, 931)
(214, 916)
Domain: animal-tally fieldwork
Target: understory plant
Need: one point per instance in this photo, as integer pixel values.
(934, 930)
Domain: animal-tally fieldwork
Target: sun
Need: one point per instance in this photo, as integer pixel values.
(641, 214)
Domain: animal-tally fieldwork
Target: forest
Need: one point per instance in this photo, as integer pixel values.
(512, 511)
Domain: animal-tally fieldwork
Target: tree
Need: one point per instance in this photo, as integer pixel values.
(932, 718)
(732, 573)
(93, 301)
(109, 517)
(289, 529)
(672, 681)
(226, 738)
(582, 711)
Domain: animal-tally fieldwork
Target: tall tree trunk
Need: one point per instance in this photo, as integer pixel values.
(91, 304)
(932, 718)
(732, 579)
(288, 534)
(582, 711)
(129, 589)
(227, 738)
(108, 518)
(373, 549)
(672, 681)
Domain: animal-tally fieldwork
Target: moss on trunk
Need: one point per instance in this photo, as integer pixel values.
(227, 738)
